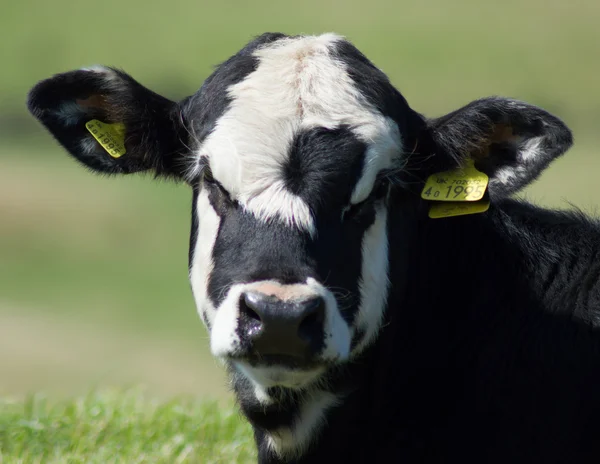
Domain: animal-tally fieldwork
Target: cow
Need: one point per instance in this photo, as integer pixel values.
(355, 325)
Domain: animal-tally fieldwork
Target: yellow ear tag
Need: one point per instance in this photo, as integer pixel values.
(463, 184)
(110, 136)
(456, 208)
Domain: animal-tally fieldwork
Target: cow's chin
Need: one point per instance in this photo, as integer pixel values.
(285, 375)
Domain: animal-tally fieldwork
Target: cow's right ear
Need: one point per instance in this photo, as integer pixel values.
(111, 123)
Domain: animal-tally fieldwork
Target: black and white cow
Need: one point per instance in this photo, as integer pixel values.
(356, 328)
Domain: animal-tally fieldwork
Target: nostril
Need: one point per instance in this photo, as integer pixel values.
(246, 305)
(314, 317)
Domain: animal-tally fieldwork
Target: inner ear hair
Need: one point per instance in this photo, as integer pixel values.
(501, 133)
(93, 102)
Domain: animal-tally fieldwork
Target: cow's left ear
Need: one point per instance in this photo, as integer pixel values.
(511, 141)
(111, 123)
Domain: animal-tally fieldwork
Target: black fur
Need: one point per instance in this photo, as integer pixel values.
(194, 225)
(375, 87)
(490, 350)
(323, 167)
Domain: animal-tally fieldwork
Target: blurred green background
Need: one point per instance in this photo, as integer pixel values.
(93, 271)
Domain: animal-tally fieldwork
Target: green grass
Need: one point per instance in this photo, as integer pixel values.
(117, 427)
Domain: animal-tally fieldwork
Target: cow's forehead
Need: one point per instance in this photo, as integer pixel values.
(296, 85)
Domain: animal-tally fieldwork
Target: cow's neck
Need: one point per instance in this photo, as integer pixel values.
(446, 274)
(514, 250)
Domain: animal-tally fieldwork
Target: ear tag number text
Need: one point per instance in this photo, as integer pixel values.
(457, 185)
(110, 136)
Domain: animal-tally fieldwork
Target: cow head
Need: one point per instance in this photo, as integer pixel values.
(293, 148)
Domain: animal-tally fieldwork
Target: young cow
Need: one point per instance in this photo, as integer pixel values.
(355, 327)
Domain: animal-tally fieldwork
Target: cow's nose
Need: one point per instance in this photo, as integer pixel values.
(283, 328)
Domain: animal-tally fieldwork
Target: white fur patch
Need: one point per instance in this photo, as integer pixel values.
(88, 145)
(384, 145)
(337, 333)
(374, 280)
(260, 390)
(224, 340)
(297, 85)
(530, 149)
(504, 176)
(293, 441)
(507, 175)
(202, 262)
(109, 75)
(97, 68)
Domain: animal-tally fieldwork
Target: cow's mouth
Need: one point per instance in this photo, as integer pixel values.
(282, 361)
(280, 371)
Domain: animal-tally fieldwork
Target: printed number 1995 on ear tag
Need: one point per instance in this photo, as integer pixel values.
(110, 136)
(465, 184)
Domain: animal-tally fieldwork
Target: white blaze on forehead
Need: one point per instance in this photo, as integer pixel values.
(202, 262)
(298, 85)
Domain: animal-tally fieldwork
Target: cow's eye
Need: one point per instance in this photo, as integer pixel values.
(207, 175)
(220, 196)
(351, 212)
(359, 210)
(209, 180)
(356, 211)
